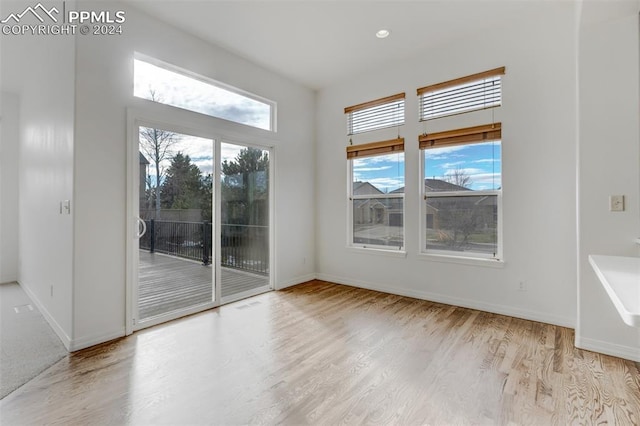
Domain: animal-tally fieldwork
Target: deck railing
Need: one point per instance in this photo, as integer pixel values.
(243, 247)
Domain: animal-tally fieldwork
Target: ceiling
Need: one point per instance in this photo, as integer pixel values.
(318, 43)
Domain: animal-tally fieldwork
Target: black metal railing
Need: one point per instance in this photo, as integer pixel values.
(244, 247)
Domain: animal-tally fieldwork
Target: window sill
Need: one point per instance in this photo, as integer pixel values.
(462, 260)
(377, 251)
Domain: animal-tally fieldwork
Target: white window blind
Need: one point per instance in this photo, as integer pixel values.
(374, 115)
(465, 94)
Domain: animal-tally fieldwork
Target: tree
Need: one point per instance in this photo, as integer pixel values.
(207, 197)
(156, 146)
(458, 177)
(460, 216)
(248, 160)
(182, 187)
(245, 188)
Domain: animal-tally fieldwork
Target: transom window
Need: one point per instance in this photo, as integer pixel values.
(169, 85)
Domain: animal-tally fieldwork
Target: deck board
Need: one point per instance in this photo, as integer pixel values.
(168, 283)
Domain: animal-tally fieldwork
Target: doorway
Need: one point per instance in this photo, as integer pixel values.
(200, 222)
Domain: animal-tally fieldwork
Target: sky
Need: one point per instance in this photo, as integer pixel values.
(385, 172)
(200, 151)
(181, 91)
(481, 162)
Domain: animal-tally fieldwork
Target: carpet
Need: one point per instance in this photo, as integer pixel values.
(28, 345)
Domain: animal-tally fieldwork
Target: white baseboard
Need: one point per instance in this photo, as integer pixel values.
(64, 337)
(88, 341)
(295, 281)
(71, 344)
(456, 301)
(613, 349)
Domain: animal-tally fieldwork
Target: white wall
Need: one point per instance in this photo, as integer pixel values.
(609, 163)
(538, 118)
(104, 87)
(9, 145)
(40, 69)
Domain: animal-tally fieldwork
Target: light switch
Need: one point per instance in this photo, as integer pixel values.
(616, 203)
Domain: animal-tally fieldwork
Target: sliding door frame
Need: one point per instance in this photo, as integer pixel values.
(153, 115)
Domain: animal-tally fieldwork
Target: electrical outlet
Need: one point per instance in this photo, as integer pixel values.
(616, 203)
(522, 286)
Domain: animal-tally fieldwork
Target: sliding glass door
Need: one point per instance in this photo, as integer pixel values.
(201, 233)
(175, 212)
(244, 221)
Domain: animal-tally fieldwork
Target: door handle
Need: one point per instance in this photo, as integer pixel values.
(144, 228)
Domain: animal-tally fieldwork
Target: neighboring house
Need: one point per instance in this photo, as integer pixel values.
(384, 211)
(435, 206)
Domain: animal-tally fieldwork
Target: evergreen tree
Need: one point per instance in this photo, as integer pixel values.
(183, 185)
(207, 197)
(245, 188)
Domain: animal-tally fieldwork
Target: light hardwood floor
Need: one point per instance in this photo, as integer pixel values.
(327, 354)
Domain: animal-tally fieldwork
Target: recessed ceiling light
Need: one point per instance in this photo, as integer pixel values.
(383, 33)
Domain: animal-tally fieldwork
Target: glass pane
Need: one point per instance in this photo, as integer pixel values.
(463, 167)
(171, 88)
(380, 174)
(378, 221)
(244, 219)
(175, 197)
(462, 224)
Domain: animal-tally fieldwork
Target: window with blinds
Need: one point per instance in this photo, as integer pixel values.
(465, 94)
(375, 115)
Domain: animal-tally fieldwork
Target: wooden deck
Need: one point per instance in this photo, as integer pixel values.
(168, 283)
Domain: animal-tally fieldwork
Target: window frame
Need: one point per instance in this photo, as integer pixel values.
(392, 250)
(461, 255)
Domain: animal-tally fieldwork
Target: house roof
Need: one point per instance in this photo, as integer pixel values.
(365, 188)
(371, 203)
(143, 159)
(436, 185)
